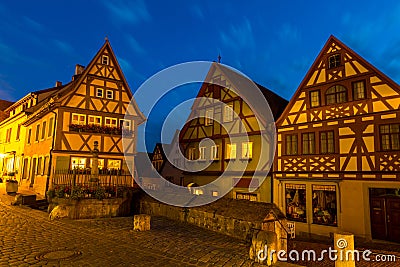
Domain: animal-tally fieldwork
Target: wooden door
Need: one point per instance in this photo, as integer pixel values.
(378, 218)
(385, 218)
(393, 219)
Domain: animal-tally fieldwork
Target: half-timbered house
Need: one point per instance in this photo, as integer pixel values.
(337, 166)
(235, 150)
(59, 125)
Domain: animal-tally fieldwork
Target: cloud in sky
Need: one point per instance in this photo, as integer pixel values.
(133, 43)
(33, 24)
(63, 46)
(131, 12)
(239, 36)
(6, 90)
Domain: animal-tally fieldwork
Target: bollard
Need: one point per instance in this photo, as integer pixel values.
(141, 222)
(344, 244)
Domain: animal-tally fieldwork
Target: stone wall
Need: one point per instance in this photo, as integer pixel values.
(224, 216)
(89, 208)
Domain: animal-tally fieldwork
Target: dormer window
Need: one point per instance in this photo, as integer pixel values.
(105, 60)
(336, 94)
(334, 61)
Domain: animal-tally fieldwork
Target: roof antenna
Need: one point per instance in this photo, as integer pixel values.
(219, 58)
(106, 38)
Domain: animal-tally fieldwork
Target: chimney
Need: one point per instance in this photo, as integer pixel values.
(58, 84)
(79, 69)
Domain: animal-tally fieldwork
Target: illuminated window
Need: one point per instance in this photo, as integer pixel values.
(327, 142)
(8, 135)
(214, 193)
(100, 163)
(228, 112)
(125, 124)
(43, 130)
(202, 153)
(308, 143)
(246, 196)
(324, 204)
(110, 94)
(231, 151)
(192, 153)
(105, 60)
(110, 122)
(291, 144)
(336, 94)
(209, 117)
(94, 120)
(78, 163)
(99, 92)
(50, 131)
(334, 61)
(315, 99)
(359, 90)
(390, 137)
(215, 152)
(295, 195)
(78, 119)
(247, 150)
(114, 164)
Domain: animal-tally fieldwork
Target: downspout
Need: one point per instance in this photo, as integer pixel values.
(52, 147)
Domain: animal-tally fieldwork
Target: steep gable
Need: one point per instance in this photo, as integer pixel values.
(101, 86)
(337, 64)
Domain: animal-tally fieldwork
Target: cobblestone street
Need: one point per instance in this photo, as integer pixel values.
(28, 237)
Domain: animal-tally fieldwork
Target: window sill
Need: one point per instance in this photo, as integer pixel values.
(246, 159)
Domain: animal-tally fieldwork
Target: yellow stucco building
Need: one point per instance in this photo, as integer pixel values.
(54, 130)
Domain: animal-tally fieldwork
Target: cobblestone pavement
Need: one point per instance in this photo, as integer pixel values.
(28, 237)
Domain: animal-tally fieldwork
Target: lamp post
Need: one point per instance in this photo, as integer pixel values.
(95, 163)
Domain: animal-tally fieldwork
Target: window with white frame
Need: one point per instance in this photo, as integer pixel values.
(215, 152)
(99, 92)
(209, 117)
(94, 120)
(110, 122)
(247, 150)
(105, 60)
(192, 153)
(78, 163)
(114, 164)
(202, 153)
(110, 94)
(125, 124)
(78, 119)
(231, 151)
(228, 112)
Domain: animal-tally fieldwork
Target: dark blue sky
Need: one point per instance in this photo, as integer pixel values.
(273, 42)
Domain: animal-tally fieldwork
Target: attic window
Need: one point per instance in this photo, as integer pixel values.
(105, 60)
(334, 61)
